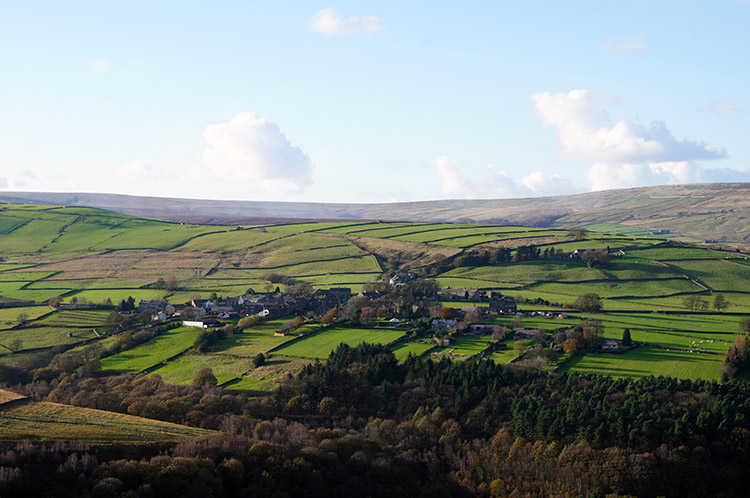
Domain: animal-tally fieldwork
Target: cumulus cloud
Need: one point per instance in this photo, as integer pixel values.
(498, 184)
(100, 65)
(329, 22)
(723, 108)
(607, 176)
(250, 148)
(586, 132)
(634, 45)
(137, 169)
(624, 153)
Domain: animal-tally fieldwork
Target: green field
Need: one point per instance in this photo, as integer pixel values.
(42, 337)
(24, 421)
(467, 345)
(9, 316)
(150, 354)
(504, 356)
(75, 318)
(183, 369)
(320, 344)
(403, 349)
(95, 256)
(645, 361)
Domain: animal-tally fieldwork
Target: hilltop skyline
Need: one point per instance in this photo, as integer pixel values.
(374, 102)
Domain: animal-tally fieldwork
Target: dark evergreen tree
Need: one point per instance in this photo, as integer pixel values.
(626, 340)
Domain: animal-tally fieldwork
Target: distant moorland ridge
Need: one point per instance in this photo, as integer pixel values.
(715, 211)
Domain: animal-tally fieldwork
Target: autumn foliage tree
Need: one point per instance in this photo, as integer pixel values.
(595, 258)
(447, 313)
(330, 316)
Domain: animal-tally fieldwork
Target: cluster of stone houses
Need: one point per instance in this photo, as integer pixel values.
(272, 305)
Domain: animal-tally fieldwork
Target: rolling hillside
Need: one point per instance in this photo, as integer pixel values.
(91, 256)
(717, 211)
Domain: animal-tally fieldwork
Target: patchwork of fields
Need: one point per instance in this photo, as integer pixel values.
(92, 256)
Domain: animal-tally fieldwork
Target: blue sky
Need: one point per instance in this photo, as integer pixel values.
(372, 101)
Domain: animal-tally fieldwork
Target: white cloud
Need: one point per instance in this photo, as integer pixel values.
(634, 45)
(329, 22)
(250, 148)
(100, 65)
(498, 184)
(136, 169)
(3, 183)
(586, 132)
(607, 176)
(723, 108)
(625, 153)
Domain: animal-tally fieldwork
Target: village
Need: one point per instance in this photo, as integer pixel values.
(444, 315)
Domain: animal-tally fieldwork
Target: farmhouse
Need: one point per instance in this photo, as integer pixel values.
(483, 329)
(611, 345)
(444, 324)
(401, 278)
(504, 304)
(525, 334)
(201, 324)
(153, 305)
(206, 304)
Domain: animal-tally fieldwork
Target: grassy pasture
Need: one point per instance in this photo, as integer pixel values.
(316, 227)
(14, 266)
(626, 269)
(229, 241)
(9, 316)
(706, 324)
(677, 253)
(719, 275)
(53, 421)
(378, 230)
(602, 243)
(7, 225)
(32, 236)
(82, 237)
(469, 345)
(473, 283)
(618, 229)
(312, 255)
(162, 237)
(685, 341)
(116, 295)
(37, 295)
(320, 344)
(645, 361)
(44, 337)
(24, 276)
(75, 318)
(504, 356)
(155, 351)
(658, 287)
(252, 341)
(403, 349)
(529, 272)
(183, 369)
(342, 279)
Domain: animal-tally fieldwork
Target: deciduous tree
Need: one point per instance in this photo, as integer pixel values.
(720, 302)
(204, 376)
(589, 302)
